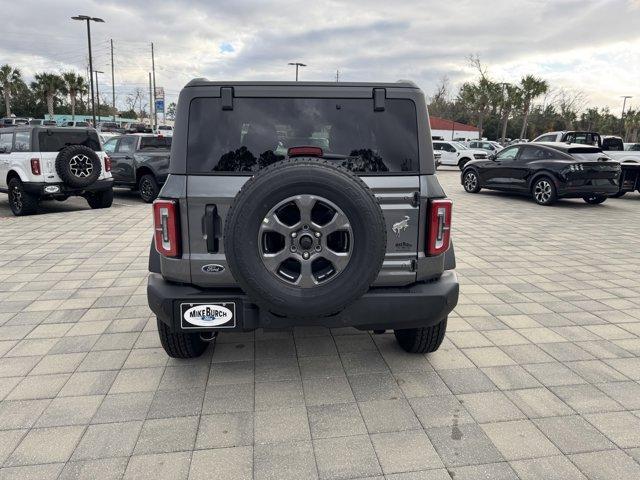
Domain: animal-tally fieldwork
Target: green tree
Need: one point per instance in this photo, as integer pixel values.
(531, 87)
(511, 99)
(48, 86)
(171, 111)
(9, 78)
(74, 85)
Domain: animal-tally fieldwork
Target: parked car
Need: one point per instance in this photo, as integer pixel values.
(140, 161)
(13, 121)
(546, 171)
(110, 127)
(487, 145)
(457, 154)
(40, 163)
(137, 128)
(166, 130)
(257, 226)
(610, 144)
(78, 124)
(106, 136)
(39, 121)
(629, 179)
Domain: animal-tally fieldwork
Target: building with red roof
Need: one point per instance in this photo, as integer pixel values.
(452, 130)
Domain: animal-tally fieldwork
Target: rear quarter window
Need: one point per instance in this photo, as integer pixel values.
(259, 131)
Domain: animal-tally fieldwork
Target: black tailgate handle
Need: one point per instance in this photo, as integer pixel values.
(211, 228)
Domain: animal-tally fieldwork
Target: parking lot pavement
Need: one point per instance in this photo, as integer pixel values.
(122, 197)
(538, 376)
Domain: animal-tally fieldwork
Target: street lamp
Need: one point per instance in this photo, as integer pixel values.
(88, 19)
(624, 103)
(297, 65)
(95, 125)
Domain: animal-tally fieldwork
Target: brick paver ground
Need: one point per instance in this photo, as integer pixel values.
(538, 377)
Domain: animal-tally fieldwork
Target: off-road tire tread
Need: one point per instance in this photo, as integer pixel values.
(156, 188)
(422, 340)
(67, 153)
(29, 202)
(102, 199)
(180, 344)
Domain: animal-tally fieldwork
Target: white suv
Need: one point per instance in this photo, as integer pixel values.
(38, 162)
(457, 154)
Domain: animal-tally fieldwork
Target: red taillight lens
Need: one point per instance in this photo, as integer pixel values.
(166, 227)
(305, 152)
(35, 166)
(107, 164)
(439, 224)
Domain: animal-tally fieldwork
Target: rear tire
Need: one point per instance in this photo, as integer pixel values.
(180, 344)
(470, 181)
(21, 202)
(544, 191)
(422, 340)
(594, 199)
(102, 199)
(148, 187)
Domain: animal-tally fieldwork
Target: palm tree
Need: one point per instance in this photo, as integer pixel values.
(74, 85)
(512, 99)
(9, 79)
(48, 85)
(531, 87)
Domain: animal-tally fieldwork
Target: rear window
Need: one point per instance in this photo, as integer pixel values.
(56, 141)
(587, 154)
(155, 143)
(259, 131)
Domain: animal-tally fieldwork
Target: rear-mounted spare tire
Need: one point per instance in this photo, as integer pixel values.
(305, 238)
(78, 166)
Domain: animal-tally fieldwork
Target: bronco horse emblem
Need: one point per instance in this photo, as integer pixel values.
(400, 226)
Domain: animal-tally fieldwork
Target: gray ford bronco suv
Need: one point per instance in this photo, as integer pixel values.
(292, 204)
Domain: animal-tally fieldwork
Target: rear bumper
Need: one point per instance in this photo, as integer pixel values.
(419, 305)
(38, 188)
(599, 187)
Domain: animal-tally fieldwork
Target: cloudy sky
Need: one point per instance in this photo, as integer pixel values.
(591, 46)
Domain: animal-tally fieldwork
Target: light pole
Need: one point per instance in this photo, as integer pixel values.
(95, 125)
(297, 65)
(88, 19)
(624, 104)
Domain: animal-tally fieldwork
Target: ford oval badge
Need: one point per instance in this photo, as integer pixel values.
(212, 268)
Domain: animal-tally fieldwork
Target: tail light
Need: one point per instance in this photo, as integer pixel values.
(439, 225)
(35, 166)
(166, 227)
(304, 152)
(107, 164)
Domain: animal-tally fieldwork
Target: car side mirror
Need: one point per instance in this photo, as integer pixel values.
(493, 157)
(3, 149)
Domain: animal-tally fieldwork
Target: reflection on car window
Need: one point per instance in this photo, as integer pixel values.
(259, 132)
(127, 144)
(535, 153)
(110, 145)
(54, 141)
(22, 142)
(6, 140)
(508, 153)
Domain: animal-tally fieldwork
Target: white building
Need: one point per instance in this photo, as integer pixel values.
(450, 130)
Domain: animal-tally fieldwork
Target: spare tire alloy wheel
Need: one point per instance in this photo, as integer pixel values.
(305, 238)
(311, 249)
(78, 166)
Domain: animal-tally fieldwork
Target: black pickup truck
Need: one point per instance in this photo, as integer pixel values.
(140, 161)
